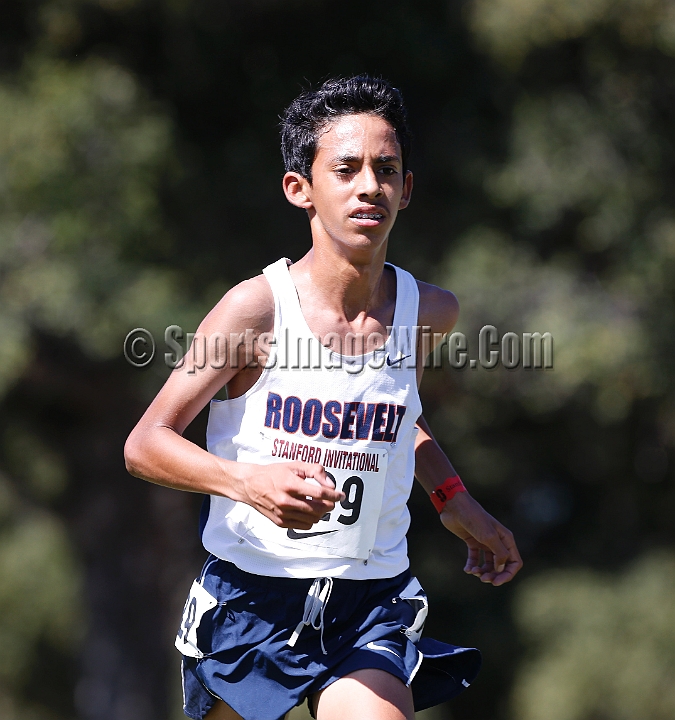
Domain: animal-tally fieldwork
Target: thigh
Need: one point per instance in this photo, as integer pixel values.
(222, 711)
(369, 693)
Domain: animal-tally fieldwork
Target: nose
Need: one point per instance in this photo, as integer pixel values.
(369, 184)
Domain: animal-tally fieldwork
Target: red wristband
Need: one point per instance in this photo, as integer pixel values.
(446, 491)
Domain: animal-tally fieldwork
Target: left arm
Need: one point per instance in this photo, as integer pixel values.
(462, 515)
(465, 517)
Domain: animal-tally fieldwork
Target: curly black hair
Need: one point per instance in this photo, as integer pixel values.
(304, 118)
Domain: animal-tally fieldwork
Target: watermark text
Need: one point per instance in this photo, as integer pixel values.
(399, 348)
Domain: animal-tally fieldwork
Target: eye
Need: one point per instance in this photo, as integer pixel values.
(388, 170)
(344, 170)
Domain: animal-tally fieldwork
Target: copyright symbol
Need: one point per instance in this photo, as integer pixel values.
(139, 347)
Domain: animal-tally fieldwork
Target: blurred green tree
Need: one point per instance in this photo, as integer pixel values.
(82, 156)
(599, 646)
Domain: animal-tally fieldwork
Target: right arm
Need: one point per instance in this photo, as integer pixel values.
(157, 451)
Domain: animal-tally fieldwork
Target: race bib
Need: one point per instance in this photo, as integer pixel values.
(349, 530)
(199, 601)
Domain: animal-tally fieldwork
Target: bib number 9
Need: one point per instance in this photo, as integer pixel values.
(353, 500)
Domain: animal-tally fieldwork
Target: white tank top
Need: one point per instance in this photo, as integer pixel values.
(354, 415)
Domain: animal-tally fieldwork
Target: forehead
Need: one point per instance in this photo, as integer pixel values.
(357, 135)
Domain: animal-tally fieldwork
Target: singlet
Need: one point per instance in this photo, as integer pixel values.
(355, 415)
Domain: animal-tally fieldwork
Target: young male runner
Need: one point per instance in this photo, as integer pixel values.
(307, 592)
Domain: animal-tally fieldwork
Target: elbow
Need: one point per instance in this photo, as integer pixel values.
(133, 455)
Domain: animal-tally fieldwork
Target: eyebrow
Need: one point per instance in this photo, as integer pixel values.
(354, 158)
(388, 158)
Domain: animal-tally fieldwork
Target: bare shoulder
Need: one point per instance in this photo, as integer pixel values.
(439, 308)
(248, 305)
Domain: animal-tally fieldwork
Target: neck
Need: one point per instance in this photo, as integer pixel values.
(350, 285)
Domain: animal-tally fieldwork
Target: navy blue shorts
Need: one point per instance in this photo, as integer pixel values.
(247, 662)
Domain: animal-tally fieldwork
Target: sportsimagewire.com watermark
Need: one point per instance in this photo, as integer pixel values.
(196, 351)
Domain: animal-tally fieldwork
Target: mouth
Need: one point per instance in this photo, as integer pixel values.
(367, 217)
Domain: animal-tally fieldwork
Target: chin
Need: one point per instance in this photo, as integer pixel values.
(364, 244)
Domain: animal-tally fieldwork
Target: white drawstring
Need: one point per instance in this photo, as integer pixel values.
(315, 603)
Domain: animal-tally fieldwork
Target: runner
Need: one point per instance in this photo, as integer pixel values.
(307, 591)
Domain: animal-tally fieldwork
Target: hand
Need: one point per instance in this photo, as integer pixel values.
(465, 517)
(281, 493)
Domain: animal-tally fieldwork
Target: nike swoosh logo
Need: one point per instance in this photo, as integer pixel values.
(372, 646)
(293, 535)
(398, 361)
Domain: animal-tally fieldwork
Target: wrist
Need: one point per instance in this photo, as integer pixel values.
(446, 491)
(233, 476)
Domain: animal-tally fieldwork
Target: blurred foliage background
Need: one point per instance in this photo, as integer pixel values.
(139, 180)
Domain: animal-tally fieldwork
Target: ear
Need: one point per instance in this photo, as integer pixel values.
(407, 190)
(297, 189)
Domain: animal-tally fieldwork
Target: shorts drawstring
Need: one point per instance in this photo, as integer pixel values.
(315, 604)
